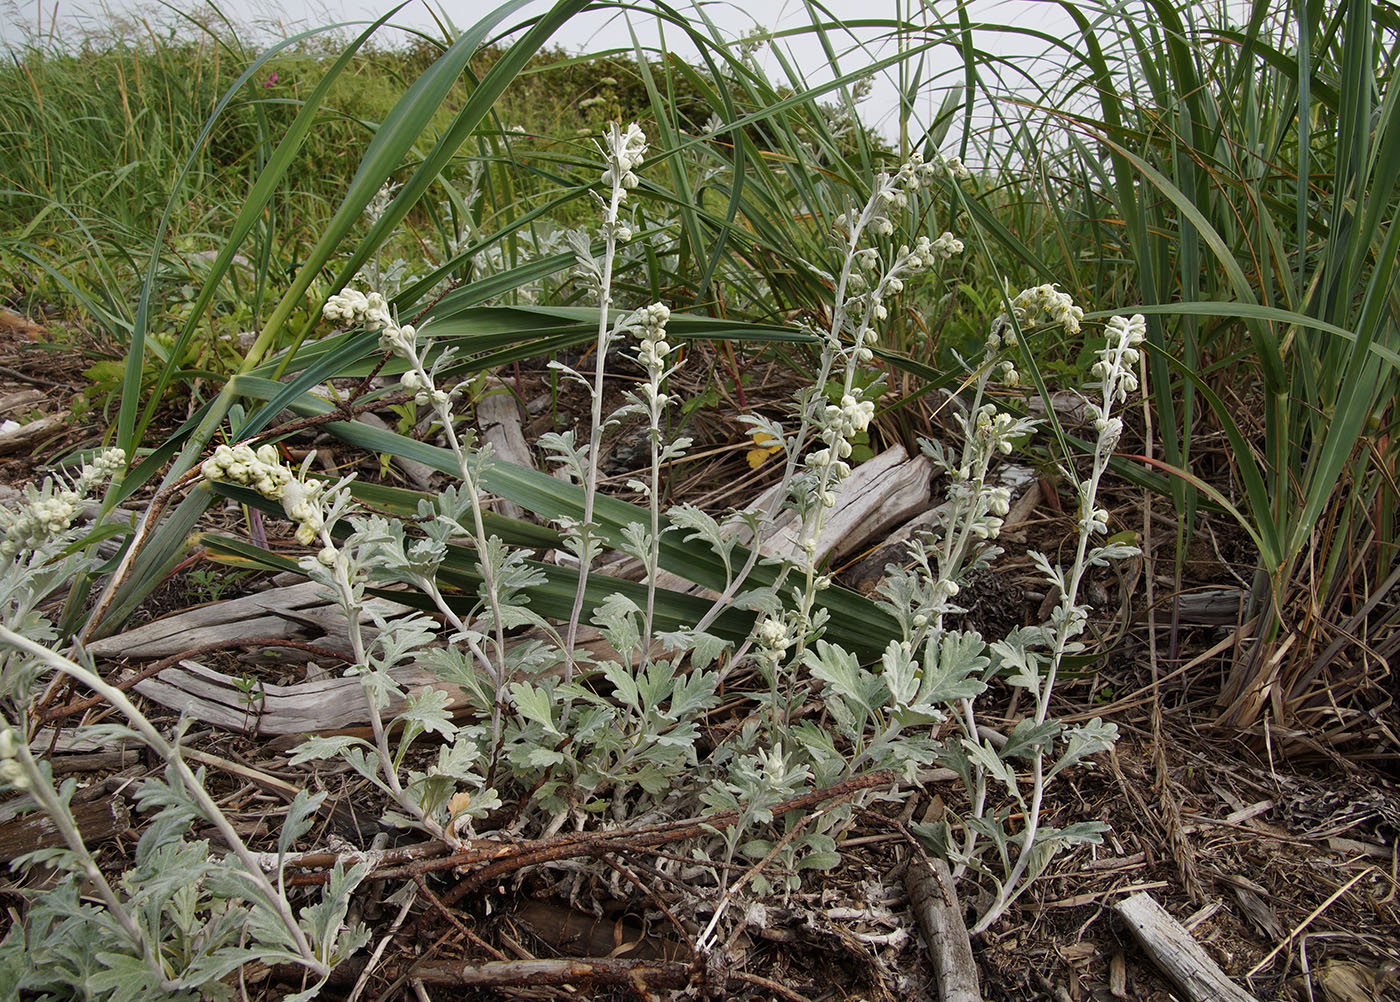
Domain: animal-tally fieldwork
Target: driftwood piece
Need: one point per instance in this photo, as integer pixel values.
(284, 613)
(1070, 407)
(894, 549)
(498, 416)
(1211, 607)
(881, 492)
(1178, 955)
(28, 435)
(315, 706)
(934, 900)
(20, 401)
(307, 707)
(98, 820)
(97, 761)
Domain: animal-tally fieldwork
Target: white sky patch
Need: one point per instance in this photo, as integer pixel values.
(862, 43)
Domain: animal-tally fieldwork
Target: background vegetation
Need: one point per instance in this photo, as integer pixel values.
(180, 203)
(180, 208)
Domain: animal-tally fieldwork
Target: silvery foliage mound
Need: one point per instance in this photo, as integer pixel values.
(577, 742)
(182, 918)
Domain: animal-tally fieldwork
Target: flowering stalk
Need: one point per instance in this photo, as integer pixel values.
(651, 355)
(837, 424)
(315, 511)
(859, 309)
(401, 341)
(976, 509)
(624, 152)
(1116, 374)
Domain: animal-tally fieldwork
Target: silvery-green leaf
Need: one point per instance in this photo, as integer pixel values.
(935, 836)
(535, 704)
(314, 748)
(624, 685)
(459, 668)
(676, 449)
(840, 670)
(300, 819)
(617, 617)
(544, 758)
(693, 693)
(1089, 738)
(1027, 738)
(952, 664)
(984, 755)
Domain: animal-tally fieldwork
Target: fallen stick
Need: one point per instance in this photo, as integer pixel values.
(503, 857)
(638, 974)
(1174, 950)
(935, 903)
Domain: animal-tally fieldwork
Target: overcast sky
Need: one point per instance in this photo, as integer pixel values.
(72, 19)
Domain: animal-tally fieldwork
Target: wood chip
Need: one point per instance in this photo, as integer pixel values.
(1118, 976)
(27, 436)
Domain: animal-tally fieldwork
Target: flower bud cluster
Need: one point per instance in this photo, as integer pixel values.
(773, 637)
(838, 425)
(990, 434)
(420, 384)
(1116, 367)
(11, 772)
(1043, 304)
(263, 471)
(907, 262)
(1095, 520)
(624, 151)
(1033, 307)
(649, 323)
(891, 193)
(353, 308)
(953, 167)
(51, 509)
(1116, 372)
(995, 428)
(914, 174)
(947, 246)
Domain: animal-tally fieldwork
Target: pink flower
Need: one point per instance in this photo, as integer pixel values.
(271, 79)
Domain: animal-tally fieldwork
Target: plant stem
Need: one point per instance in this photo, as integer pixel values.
(207, 807)
(62, 819)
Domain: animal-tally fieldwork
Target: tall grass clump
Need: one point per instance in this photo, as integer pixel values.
(1239, 178)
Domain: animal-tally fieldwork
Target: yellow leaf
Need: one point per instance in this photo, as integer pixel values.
(765, 445)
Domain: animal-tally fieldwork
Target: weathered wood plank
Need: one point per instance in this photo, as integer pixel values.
(1178, 955)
